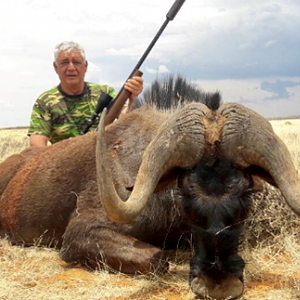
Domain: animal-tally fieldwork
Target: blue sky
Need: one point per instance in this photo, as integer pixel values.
(248, 50)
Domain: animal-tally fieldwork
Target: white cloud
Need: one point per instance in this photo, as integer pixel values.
(162, 69)
(246, 46)
(270, 43)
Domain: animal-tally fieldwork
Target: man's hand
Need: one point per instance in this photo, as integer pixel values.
(135, 86)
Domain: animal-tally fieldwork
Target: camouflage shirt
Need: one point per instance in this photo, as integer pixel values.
(60, 116)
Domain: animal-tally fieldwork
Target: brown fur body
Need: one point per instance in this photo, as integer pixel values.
(56, 186)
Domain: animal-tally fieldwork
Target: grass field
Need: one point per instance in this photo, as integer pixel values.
(272, 270)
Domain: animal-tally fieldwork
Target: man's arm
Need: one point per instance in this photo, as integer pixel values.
(38, 140)
(40, 124)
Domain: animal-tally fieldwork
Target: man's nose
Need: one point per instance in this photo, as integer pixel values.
(71, 66)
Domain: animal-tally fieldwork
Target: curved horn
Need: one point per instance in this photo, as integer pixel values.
(249, 139)
(179, 142)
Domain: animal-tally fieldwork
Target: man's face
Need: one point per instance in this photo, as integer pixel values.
(70, 67)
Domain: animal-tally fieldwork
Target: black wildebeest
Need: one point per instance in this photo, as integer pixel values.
(121, 196)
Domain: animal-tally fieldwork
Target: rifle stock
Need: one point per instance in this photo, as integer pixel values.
(119, 102)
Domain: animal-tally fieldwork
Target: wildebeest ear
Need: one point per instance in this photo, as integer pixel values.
(167, 179)
(262, 174)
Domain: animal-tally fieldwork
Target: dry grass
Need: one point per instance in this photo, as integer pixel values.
(38, 273)
(12, 141)
(272, 270)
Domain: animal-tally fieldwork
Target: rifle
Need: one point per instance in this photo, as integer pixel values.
(103, 102)
(115, 107)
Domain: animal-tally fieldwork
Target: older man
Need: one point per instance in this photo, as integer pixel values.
(60, 112)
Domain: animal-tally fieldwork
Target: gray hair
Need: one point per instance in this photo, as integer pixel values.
(68, 46)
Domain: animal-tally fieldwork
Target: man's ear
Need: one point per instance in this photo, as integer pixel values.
(55, 66)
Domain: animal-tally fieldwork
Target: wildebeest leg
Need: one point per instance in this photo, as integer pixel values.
(95, 245)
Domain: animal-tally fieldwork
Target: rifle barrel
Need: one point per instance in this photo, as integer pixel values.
(169, 17)
(115, 107)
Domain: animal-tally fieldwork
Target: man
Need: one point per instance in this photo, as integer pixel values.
(60, 113)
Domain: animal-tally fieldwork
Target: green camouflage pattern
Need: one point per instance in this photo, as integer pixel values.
(59, 116)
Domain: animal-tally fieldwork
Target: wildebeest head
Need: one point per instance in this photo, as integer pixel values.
(216, 199)
(196, 139)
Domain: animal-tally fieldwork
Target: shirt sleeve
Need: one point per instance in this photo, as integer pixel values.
(111, 91)
(40, 120)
